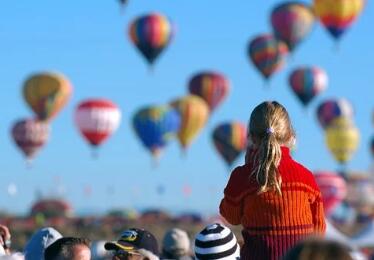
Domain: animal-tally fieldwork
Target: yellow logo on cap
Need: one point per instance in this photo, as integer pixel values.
(129, 235)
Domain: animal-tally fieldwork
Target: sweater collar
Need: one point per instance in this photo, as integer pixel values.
(285, 152)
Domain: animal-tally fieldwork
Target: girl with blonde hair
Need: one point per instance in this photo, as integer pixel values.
(274, 198)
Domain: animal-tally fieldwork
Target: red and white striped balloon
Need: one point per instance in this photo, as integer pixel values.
(333, 188)
(97, 119)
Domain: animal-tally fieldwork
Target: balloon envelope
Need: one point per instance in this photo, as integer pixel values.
(333, 189)
(337, 15)
(97, 119)
(342, 139)
(230, 140)
(307, 82)
(330, 109)
(30, 136)
(267, 54)
(194, 112)
(155, 126)
(213, 87)
(292, 22)
(46, 94)
(151, 34)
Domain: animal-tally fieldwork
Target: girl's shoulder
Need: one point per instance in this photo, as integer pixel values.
(241, 182)
(294, 171)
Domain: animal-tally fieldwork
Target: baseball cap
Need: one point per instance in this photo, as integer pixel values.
(176, 242)
(134, 239)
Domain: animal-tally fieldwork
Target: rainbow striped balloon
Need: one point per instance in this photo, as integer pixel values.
(210, 86)
(337, 15)
(307, 82)
(267, 54)
(230, 140)
(292, 22)
(151, 34)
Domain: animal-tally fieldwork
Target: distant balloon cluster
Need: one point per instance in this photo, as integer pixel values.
(185, 117)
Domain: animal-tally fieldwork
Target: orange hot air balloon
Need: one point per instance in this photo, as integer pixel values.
(46, 94)
(194, 112)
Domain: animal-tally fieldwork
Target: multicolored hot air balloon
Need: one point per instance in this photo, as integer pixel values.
(342, 139)
(97, 119)
(194, 112)
(151, 34)
(330, 109)
(46, 94)
(360, 187)
(30, 135)
(307, 82)
(267, 54)
(156, 126)
(333, 188)
(230, 140)
(213, 87)
(337, 15)
(292, 22)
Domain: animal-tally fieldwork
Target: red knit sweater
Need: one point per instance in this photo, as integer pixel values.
(273, 223)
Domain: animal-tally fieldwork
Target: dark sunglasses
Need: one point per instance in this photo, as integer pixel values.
(122, 254)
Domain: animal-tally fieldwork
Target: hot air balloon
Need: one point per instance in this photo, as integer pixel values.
(330, 109)
(267, 54)
(30, 135)
(230, 140)
(360, 187)
(194, 113)
(333, 188)
(342, 139)
(292, 22)
(151, 34)
(156, 126)
(307, 82)
(46, 94)
(337, 15)
(97, 119)
(213, 87)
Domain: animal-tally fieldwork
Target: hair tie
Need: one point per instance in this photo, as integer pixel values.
(270, 130)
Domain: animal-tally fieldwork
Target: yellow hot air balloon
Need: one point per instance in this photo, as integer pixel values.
(194, 112)
(342, 139)
(46, 94)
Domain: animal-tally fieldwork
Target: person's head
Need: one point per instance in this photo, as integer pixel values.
(269, 128)
(216, 241)
(175, 244)
(134, 244)
(65, 248)
(318, 249)
(39, 241)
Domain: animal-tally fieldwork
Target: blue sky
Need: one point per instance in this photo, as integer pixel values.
(88, 42)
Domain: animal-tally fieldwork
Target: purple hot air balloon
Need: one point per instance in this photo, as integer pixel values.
(330, 109)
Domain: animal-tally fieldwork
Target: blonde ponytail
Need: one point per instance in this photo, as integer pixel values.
(269, 128)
